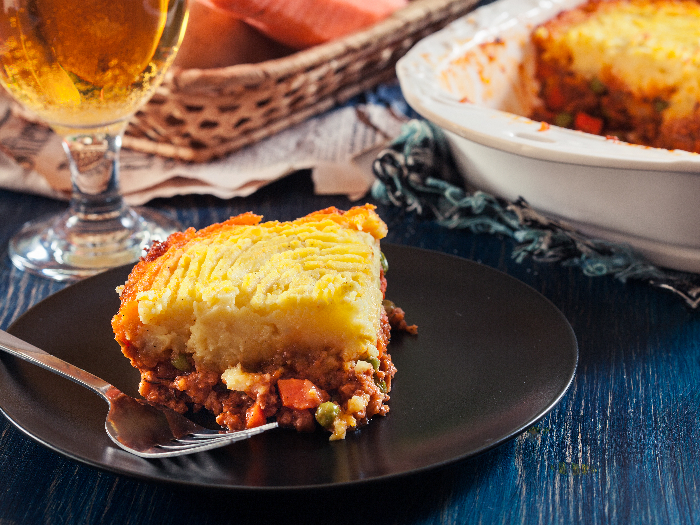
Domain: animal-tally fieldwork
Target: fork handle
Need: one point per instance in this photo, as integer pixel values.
(23, 350)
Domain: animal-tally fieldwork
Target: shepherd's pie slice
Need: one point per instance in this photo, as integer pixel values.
(254, 320)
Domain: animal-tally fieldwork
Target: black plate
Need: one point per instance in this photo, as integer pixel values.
(492, 356)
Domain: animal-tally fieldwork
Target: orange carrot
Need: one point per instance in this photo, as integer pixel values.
(254, 416)
(299, 393)
(305, 23)
(587, 123)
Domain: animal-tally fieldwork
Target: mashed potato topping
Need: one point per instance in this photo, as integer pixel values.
(250, 290)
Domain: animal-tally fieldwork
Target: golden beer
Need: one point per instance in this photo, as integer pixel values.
(81, 64)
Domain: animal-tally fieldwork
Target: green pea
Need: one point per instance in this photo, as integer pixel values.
(373, 361)
(326, 413)
(563, 120)
(597, 86)
(388, 306)
(180, 362)
(384, 262)
(660, 105)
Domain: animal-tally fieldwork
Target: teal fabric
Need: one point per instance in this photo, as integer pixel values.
(416, 172)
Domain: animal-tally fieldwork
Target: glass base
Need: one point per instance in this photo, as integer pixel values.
(67, 248)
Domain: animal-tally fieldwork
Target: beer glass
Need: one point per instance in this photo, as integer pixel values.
(85, 67)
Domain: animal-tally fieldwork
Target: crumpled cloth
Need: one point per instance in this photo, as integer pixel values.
(416, 172)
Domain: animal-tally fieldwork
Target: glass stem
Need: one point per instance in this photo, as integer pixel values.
(94, 166)
(99, 231)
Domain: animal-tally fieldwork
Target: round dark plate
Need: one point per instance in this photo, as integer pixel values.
(492, 356)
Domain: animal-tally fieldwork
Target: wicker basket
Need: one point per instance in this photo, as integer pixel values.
(200, 114)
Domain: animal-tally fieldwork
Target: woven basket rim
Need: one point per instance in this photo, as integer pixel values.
(200, 114)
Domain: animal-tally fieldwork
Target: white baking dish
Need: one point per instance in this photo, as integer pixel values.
(475, 76)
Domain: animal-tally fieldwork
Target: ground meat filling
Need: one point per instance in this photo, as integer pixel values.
(610, 111)
(195, 389)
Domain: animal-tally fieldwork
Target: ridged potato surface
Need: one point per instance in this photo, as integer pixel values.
(240, 291)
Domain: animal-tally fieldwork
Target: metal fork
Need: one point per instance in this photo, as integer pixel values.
(139, 427)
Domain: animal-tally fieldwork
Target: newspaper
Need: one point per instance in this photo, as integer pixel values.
(338, 146)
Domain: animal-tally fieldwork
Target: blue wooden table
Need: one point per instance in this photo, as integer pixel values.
(623, 446)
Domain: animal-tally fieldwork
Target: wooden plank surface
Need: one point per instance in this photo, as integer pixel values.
(623, 446)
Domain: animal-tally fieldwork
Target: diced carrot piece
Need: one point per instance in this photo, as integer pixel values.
(299, 393)
(587, 123)
(254, 416)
